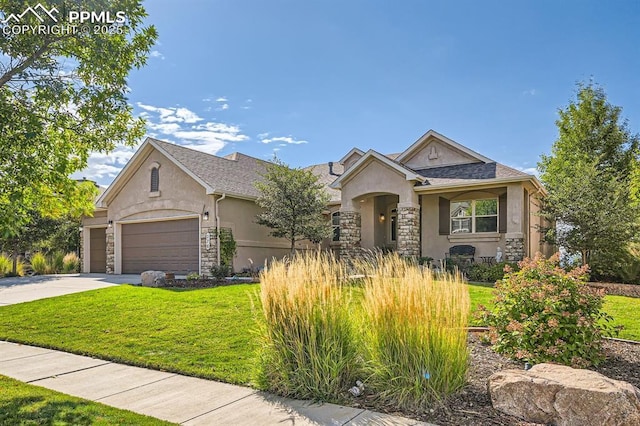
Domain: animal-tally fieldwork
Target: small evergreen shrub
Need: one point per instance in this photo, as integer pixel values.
(39, 263)
(220, 272)
(489, 273)
(56, 263)
(543, 313)
(70, 263)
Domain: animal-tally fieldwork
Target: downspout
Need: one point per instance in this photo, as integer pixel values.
(224, 195)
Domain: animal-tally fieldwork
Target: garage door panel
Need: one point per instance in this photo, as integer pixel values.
(97, 250)
(164, 246)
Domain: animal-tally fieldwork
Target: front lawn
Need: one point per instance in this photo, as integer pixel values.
(23, 404)
(206, 332)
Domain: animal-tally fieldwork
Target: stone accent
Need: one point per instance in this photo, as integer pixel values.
(81, 251)
(350, 235)
(513, 249)
(208, 256)
(563, 396)
(408, 243)
(153, 279)
(111, 252)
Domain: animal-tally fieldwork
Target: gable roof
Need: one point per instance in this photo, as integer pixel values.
(417, 145)
(371, 154)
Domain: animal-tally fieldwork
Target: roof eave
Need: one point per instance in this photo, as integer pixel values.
(482, 183)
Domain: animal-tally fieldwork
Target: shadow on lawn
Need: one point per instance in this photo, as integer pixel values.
(38, 410)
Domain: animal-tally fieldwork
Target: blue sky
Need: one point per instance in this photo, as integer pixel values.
(311, 79)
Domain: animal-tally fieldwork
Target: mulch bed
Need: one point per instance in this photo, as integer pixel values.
(206, 283)
(472, 404)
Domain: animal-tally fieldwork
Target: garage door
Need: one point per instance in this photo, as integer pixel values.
(97, 250)
(170, 246)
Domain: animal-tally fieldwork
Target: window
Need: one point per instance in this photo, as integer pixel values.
(155, 179)
(474, 216)
(335, 223)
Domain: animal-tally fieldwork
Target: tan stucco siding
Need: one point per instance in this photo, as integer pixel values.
(435, 245)
(99, 218)
(376, 178)
(435, 154)
(253, 241)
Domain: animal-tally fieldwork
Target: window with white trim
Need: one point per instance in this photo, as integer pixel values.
(335, 224)
(474, 216)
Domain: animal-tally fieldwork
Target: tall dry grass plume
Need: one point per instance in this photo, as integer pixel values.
(309, 346)
(415, 331)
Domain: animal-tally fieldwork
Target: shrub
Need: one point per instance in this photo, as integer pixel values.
(415, 333)
(544, 314)
(220, 272)
(6, 264)
(309, 347)
(489, 273)
(193, 276)
(55, 263)
(39, 263)
(70, 263)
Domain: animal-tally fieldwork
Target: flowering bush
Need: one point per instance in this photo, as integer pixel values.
(544, 314)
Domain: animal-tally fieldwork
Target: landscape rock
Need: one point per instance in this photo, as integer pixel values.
(560, 395)
(153, 279)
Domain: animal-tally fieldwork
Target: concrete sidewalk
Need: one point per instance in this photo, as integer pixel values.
(26, 289)
(172, 397)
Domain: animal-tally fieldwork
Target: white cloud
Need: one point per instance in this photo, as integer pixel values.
(156, 54)
(286, 139)
(223, 107)
(530, 92)
(172, 115)
(222, 99)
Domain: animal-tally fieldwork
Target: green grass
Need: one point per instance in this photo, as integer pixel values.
(205, 333)
(23, 404)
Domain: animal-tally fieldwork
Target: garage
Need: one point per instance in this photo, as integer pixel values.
(170, 246)
(97, 250)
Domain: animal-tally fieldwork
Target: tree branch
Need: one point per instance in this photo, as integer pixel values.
(7, 76)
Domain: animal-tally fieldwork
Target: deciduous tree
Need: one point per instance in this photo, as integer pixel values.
(590, 176)
(293, 201)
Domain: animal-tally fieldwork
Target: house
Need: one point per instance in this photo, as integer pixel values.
(163, 209)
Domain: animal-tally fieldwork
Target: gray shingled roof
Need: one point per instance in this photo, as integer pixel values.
(235, 174)
(324, 177)
(465, 173)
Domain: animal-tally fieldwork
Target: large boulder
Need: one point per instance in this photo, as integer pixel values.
(559, 395)
(153, 278)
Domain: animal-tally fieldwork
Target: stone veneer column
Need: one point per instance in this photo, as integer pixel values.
(513, 248)
(408, 231)
(81, 250)
(350, 234)
(111, 251)
(208, 256)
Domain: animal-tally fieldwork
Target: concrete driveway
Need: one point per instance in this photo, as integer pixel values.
(26, 289)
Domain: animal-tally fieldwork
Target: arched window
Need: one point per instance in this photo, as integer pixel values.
(155, 179)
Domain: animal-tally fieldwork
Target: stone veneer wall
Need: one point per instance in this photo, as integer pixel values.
(111, 252)
(208, 257)
(408, 231)
(81, 251)
(514, 249)
(350, 235)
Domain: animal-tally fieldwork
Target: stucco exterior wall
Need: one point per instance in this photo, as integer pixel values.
(434, 154)
(435, 245)
(253, 241)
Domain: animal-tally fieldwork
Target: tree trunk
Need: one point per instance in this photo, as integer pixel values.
(293, 246)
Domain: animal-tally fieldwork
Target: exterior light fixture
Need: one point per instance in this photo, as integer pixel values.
(381, 217)
(205, 216)
(110, 224)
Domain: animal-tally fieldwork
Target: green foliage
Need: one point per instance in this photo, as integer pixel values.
(544, 314)
(63, 96)
(309, 347)
(70, 263)
(39, 264)
(590, 177)
(220, 272)
(56, 262)
(6, 264)
(193, 276)
(227, 248)
(488, 273)
(414, 330)
(293, 201)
